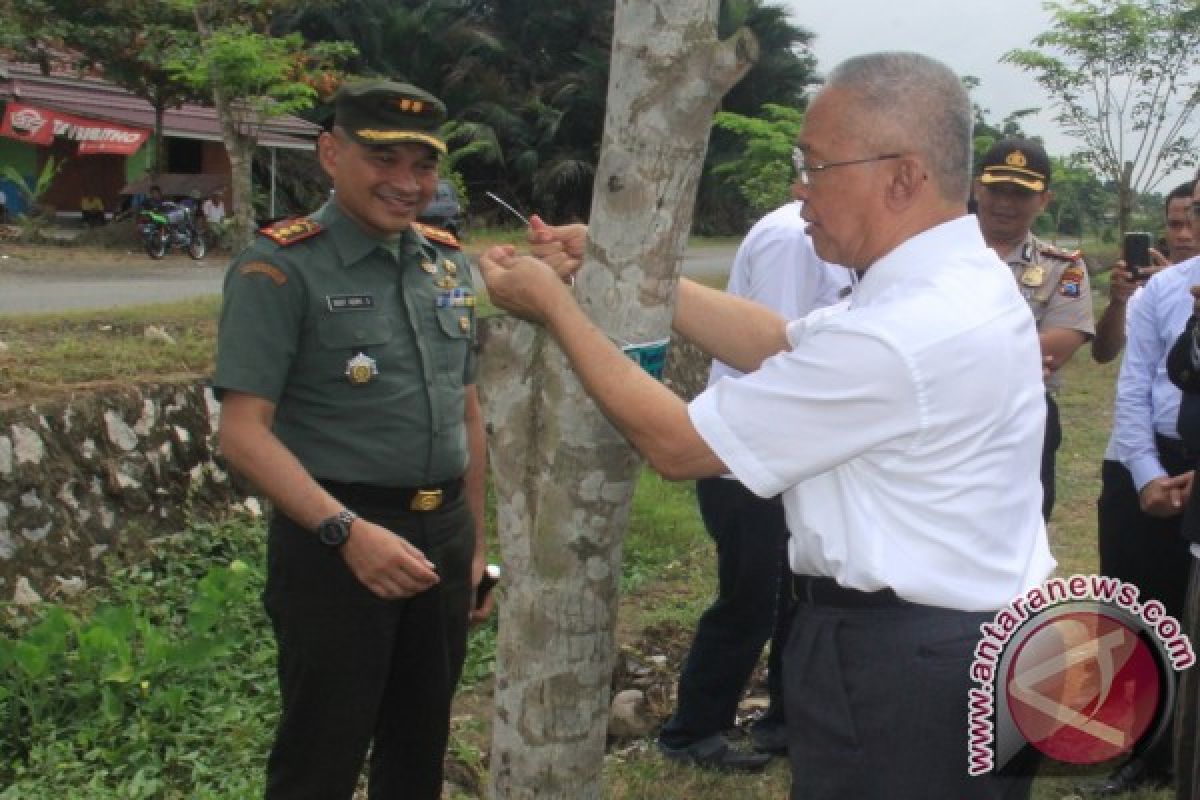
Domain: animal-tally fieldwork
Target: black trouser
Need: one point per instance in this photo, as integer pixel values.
(357, 671)
(1050, 447)
(877, 704)
(1146, 551)
(752, 605)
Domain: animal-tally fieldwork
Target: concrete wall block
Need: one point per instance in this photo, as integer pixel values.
(98, 471)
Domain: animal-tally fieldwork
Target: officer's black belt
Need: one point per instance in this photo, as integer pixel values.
(821, 591)
(419, 498)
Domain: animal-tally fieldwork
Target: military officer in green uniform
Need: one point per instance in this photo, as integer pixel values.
(346, 370)
(1012, 189)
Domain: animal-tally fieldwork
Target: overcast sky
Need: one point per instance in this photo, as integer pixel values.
(967, 35)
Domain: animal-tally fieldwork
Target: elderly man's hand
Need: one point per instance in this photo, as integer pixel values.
(523, 285)
(560, 246)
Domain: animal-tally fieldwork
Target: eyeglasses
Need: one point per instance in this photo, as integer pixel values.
(1194, 209)
(806, 172)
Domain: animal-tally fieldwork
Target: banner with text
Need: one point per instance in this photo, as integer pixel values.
(40, 126)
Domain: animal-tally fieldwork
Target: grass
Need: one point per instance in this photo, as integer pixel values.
(215, 749)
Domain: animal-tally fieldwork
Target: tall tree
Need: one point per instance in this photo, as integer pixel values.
(1122, 76)
(127, 41)
(253, 76)
(563, 476)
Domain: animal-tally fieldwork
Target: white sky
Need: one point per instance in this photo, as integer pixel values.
(969, 36)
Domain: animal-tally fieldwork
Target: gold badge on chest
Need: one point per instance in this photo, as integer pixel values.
(1033, 276)
(361, 369)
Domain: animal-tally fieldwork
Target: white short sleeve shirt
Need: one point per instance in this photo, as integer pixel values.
(904, 430)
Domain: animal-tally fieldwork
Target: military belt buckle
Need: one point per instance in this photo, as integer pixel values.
(426, 500)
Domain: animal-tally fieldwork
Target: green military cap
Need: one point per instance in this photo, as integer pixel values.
(386, 112)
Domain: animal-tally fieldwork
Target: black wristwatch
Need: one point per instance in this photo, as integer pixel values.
(334, 531)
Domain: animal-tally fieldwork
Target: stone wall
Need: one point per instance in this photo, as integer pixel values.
(107, 470)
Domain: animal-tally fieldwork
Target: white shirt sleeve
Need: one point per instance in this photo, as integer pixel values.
(834, 396)
(1133, 417)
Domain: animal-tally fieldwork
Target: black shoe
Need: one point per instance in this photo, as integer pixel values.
(715, 752)
(770, 738)
(1132, 777)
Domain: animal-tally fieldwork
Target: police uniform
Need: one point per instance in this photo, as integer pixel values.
(365, 347)
(1053, 281)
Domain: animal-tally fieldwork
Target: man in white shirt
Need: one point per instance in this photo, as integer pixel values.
(777, 267)
(903, 432)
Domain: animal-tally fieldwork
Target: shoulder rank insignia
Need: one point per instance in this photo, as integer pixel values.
(1060, 254)
(290, 231)
(437, 235)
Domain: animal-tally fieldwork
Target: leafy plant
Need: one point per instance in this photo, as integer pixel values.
(34, 223)
(762, 172)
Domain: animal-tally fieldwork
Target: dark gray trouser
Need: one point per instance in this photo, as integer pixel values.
(752, 605)
(877, 705)
(356, 671)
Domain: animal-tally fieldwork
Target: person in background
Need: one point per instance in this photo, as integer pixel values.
(1012, 189)
(1179, 247)
(900, 430)
(1148, 470)
(92, 210)
(346, 372)
(213, 208)
(776, 267)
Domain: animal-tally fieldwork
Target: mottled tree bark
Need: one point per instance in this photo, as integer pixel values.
(563, 476)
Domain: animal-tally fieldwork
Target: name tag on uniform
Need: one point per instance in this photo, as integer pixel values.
(350, 302)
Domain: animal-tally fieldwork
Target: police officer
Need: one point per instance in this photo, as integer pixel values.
(1011, 191)
(346, 370)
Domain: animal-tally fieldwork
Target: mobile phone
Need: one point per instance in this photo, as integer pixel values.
(491, 576)
(1136, 252)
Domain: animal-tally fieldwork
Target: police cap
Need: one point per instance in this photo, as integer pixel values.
(1020, 161)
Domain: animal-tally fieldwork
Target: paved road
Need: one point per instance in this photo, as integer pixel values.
(28, 288)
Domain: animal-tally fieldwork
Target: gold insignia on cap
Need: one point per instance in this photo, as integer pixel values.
(360, 369)
(450, 267)
(1016, 159)
(429, 267)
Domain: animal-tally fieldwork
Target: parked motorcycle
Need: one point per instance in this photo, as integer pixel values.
(171, 225)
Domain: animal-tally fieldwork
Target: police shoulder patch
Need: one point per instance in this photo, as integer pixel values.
(437, 235)
(273, 272)
(290, 231)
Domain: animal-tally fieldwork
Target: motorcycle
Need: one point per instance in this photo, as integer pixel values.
(171, 225)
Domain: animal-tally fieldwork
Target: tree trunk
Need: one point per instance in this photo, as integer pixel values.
(563, 477)
(160, 150)
(239, 145)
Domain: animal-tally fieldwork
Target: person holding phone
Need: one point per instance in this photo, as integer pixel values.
(1012, 189)
(1127, 276)
(1147, 469)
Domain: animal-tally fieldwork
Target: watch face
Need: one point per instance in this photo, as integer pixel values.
(333, 532)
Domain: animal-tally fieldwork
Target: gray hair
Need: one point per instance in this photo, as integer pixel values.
(918, 104)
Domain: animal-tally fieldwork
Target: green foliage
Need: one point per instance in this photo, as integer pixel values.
(762, 172)
(1122, 77)
(33, 189)
(149, 690)
(36, 222)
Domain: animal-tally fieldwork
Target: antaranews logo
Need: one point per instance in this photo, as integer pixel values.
(1080, 668)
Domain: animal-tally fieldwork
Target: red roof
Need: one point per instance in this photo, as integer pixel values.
(99, 99)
